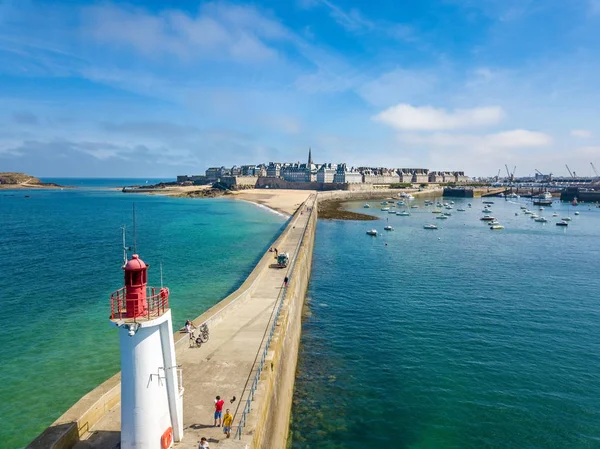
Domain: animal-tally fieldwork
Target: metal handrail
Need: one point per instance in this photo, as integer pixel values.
(157, 302)
(280, 298)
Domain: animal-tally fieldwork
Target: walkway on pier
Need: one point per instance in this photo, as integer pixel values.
(226, 364)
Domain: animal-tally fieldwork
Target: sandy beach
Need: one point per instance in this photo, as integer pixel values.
(285, 201)
(280, 200)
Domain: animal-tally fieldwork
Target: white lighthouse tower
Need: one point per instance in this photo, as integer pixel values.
(151, 390)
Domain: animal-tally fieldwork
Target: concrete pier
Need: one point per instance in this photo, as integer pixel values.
(260, 314)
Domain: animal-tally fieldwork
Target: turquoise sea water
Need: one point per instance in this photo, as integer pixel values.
(61, 258)
(457, 338)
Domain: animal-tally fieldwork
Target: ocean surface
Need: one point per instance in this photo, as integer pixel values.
(61, 258)
(460, 337)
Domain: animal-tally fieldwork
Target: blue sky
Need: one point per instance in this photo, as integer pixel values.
(153, 88)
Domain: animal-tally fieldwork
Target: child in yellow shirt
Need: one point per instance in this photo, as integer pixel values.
(227, 422)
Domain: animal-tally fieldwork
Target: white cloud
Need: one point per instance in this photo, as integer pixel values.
(581, 133)
(427, 118)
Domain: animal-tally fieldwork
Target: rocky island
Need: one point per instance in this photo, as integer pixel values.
(10, 180)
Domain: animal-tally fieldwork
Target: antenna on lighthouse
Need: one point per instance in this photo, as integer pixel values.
(161, 277)
(134, 232)
(124, 247)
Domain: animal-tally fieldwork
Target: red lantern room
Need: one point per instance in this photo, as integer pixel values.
(136, 278)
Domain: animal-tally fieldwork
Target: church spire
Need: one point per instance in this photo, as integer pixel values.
(310, 161)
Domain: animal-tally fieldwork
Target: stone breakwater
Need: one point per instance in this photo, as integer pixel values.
(226, 364)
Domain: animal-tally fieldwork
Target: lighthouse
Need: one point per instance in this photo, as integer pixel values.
(151, 387)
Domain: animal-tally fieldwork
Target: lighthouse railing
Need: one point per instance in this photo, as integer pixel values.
(157, 303)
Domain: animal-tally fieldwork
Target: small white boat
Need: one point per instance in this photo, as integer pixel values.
(460, 209)
(496, 227)
(414, 207)
(493, 223)
(384, 203)
(391, 211)
(445, 204)
(487, 211)
(400, 203)
(451, 202)
(524, 207)
(439, 204)
(534, 216)
(372, 232)
(576, 213)
(555, 214)
(566, 219)
(447, 214)
(441, 217)
(430, 226)
(562, 223)
(449, 207)
(541, 208)
(366, 206)
(404, 213)
(527, 212)
(541, 220)
(436, 211)
(487, 218)
(385, 209)
(388, 228)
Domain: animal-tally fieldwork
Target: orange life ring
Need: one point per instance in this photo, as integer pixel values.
(167, 438)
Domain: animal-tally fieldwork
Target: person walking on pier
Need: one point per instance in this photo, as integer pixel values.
(219, 410)
(285, 281)
(227, 422)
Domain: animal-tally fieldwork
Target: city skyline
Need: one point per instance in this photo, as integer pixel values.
(137, 89)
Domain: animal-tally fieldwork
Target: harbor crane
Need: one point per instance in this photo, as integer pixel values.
(511, 176)
(498, 175)
(594, 168)
(548, 176)
(570, 172)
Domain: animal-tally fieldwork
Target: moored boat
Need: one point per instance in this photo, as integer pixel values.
(430, 226)
(496, 227)
(404, 213)
(372, 232)
(562, 223)
(366, 206)
(487, 218)
(388, 228)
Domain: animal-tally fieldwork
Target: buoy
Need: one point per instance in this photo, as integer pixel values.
(167, 438)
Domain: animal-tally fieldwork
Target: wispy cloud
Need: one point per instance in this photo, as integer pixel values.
(216, 31)
(581, 133)
(518, 138)
(428, 118)
(25, 118)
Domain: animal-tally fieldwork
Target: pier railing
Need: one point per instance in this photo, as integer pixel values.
(277, 311)
(157, 302)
